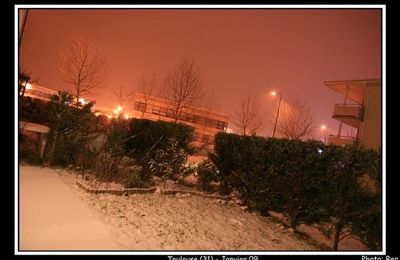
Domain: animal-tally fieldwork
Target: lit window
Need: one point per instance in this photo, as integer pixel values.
(140, 106)
(155, 110)
(221, 125)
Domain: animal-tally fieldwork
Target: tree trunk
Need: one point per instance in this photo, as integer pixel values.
(295, 221)
(53, 143)
(338, 229)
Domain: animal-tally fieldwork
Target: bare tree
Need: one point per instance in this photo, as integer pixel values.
(247, 119)
(182, 88)
(295, 121)
(121, 95)
(147, 87)
(81, 67)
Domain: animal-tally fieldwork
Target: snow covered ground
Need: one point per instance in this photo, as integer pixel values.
(56, 214)
(52, 217)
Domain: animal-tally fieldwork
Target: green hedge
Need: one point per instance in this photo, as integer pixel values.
(146, 137)
(308, 181)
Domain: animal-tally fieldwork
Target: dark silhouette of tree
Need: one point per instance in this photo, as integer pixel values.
(295, 121)
(182, 87)
(247, 118)
(148, 88)
(81, 67)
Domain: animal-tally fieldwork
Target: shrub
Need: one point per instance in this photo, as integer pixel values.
(170, 162)
(133, 175)
(309, 182)
(117, 134)
(106, 168)
(147, 138)
(207, 173)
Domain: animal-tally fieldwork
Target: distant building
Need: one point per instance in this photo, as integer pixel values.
(205, 123)
(361, 109)
(38, 92)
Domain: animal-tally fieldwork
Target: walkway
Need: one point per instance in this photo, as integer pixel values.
(53, 218)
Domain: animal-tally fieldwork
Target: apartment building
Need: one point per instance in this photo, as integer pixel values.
(361, 109)
(206, 123)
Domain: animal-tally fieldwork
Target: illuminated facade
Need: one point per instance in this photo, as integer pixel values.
(205, 123)
(361, 109)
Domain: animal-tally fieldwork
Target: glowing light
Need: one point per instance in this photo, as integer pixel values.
(81, 100)
(319, 151)
(323, 127)
(273, 93)
(96, 113)
(28, 86)
(109, 116)
(126, 116)
(118, 110)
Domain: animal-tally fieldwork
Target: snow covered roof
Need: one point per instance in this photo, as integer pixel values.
(33, 127)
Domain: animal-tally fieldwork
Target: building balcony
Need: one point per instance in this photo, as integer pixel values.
(350, 114)
(342, 140)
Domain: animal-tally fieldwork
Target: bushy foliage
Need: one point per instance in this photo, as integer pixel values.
(123, 170)
(146, 137)
(207, 173)
(170, 162)
(106, 168)
(33, 110)
(133, 175)
(117, 134)
(69, 125)
(307, 181)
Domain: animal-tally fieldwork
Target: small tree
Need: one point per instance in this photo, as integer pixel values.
(147, 87)
(81, 67)
(182, 88)
(295, 121)
(121, 95)
(247, 119)
(346, 200)
(65, 120)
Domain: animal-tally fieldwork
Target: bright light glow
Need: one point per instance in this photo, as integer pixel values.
(118, 109)
(28, 86)
(273, 93)
(323, 127)
(81, 100)
(319, 151)
(109, 116)
(96, 113)
(126, 116)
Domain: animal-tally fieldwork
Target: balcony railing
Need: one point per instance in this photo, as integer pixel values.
(342, 140)
(351, 114)
(349, 110)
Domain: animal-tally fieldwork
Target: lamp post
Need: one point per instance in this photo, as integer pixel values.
(273, 93)
(323, 131)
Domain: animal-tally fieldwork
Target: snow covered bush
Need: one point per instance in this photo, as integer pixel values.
(207, 173)
(170, 162)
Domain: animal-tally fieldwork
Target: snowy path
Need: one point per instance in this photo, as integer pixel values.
(52, 217)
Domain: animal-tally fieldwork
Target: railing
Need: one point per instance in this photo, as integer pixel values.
(342, 140)
(349, 111)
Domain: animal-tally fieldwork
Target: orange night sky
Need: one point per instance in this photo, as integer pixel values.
(236, 51)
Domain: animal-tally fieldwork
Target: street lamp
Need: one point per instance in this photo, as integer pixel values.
(274, 93)
(323, 131)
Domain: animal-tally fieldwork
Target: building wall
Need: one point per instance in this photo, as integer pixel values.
(205, 123)
(371, 129)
